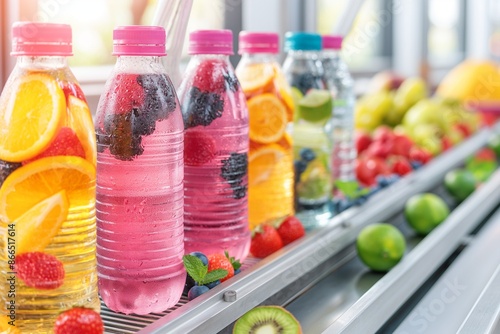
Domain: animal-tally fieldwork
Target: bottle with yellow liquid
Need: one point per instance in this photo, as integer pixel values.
(47, 184)
(271, 109)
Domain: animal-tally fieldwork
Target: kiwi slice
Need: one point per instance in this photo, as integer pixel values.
(267, 320)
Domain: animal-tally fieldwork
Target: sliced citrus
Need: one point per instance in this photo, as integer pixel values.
(30, 116)
(316, 106)
(284, 92)
(268, 118)
(262, 162)
(37, 226)
(6, 328)
(81, 122)
(36, 181)
(256, 78)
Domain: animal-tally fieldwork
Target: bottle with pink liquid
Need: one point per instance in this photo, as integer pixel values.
(140, 194)
(215, 149)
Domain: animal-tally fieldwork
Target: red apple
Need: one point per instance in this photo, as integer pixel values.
(420, 155)
(369, 168)
(379, 149)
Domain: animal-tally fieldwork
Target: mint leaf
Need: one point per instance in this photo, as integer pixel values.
(213, 276)
(235, 263)
(348, 188)
(195, 268)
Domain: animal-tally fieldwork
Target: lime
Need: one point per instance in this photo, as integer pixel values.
(316, 106)
(494, 144)
(380, 246)
(460, 183)
(425, 211)
(296, 96)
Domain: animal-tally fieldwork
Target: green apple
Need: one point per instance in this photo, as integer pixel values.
(424, 112)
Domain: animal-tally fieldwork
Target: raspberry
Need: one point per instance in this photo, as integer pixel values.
(40, 270)
(209, 76)
(199, 148)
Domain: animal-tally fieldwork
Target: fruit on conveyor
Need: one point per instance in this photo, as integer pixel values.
(380, 246)
(472, 80)
(460, 183)
(424, 212)
(267, 319)
(494, 144)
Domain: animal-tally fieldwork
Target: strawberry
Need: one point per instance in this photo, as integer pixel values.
(66, 142)
(420, 155)
(363, 141)
(291, 229)
(40, 270)
(208, 76)
(401, 166)
(401, 146)
(79, 320)
(220, 261)
(265, 241)
(199, 148)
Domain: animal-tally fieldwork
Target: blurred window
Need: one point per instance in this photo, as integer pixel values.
(494, 10)
(368, 47)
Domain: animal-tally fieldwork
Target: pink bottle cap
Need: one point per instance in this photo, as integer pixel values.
(139, 41)
(258, 42)
(41, 39)
(211, 42)
(332, 42)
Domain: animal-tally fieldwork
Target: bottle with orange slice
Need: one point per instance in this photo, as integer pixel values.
(47, 184)
(271, 109)
(312, 128)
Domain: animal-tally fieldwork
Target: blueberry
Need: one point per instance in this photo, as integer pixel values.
(360, 200)
(189, 284)
(201, 108)
(6, 168)
(237, 271)
(336, 204)
(416, 164)
(383, 181)
(201, 256)
(307, 154)
(393, 178)
(233, 170)
(344, 205)
(305, 81)
(374, 189)
(213, 284)
(196, 291)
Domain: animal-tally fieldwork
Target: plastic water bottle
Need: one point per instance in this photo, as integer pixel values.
(271, 109)
(215, 148)
(340, 83)
(140, 195)
(312, 128)
(47, 184)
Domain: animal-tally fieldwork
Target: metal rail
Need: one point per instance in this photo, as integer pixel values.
(211, 313)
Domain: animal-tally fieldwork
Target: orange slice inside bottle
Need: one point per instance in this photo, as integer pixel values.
(37, 226)
(30, 116)
(34, 182)
(256, 78)
(267, 118)
(262, 162)
(81, 122)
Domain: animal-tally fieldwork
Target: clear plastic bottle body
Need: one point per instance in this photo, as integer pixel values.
(140, 192)
(340, 83)
(312, 139)
(48, 196)
(216, 158)
(270, 190)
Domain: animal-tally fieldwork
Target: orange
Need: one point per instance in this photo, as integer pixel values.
(6, 328)
(262, 162)
(81, 122)
(380, 246)
(30, 116)
(256, 78)
(37, 226)
(268, 118)
(40, 179)
(284, 92)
